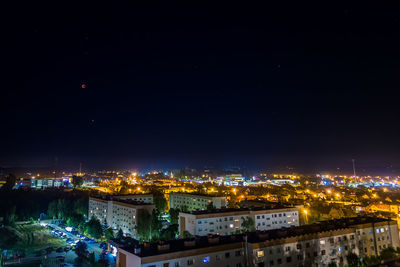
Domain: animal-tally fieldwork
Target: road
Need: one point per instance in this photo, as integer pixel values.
(92, 247)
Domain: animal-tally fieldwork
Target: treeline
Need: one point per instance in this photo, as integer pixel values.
(29, 204)
(72, 211)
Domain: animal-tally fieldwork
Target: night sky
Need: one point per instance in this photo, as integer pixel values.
(194, 84)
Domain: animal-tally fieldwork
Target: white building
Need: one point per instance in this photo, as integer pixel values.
(145, 198)
(229, 221)
(308, 245)
(118, 214)
(189, 202)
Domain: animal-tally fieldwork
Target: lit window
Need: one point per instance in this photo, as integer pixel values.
(322, 242)
(206, 259)
(260, 253)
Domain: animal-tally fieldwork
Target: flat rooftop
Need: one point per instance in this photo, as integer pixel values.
(151, 249)
(195, 194)
(225, 210)
(116, 199)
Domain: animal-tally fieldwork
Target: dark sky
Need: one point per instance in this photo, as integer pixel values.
(309, 86)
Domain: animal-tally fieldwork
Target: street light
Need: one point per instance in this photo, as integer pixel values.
(306, 213)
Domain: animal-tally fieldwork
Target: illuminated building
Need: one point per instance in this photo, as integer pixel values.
(118, 213)
(189, 202)
(229, 221)
(308, 245)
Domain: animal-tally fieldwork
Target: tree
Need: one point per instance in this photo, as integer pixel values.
(120, 234)
(186, 234)
(109, 233)
(353, 260)
(174, 216)
(156, 225)
(210, 206)
(170, 232)
(80, 249)
(52, 210)
(248, 225)
(388, 254)
(81, 206)
(10, 182)
(92, 258)
(159, 201)
(10, 216)
(143, 226)
(93, 228)
(75, 220)
(77, 181)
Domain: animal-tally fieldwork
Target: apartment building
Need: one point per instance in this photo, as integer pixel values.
(189, 202)
(308, 245)
(145, 198)
(118, 213)
(229, 221)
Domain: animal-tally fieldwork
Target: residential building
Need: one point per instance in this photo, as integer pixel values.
(308, 245)
(145, 198)
(118, 213)
(189, 202)
(229, 221)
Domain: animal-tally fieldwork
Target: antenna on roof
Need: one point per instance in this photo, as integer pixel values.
(354, 167)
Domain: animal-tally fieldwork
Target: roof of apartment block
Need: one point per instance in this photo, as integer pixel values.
(227, 210)
(235, 241)
(117, 199)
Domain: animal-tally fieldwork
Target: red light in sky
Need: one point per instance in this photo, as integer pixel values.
(83, 86)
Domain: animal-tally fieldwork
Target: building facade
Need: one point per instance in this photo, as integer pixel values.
(118, 213)
(229, 221)
(145, 198)
(309, 245)
(189, 202)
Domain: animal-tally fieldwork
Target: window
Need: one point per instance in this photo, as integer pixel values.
(166, 264)
(279, 261)
(227, 255)
(217, 257)
(298, 246)
(206, 259)
(307, 245)
(271, 263)
(239, 265)
(190, 262)
(260, 253)
(177, 264)
(323, 252)
(237, 253)
(322, 242)
(261, 264)
(300, 257)
(289, 259)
